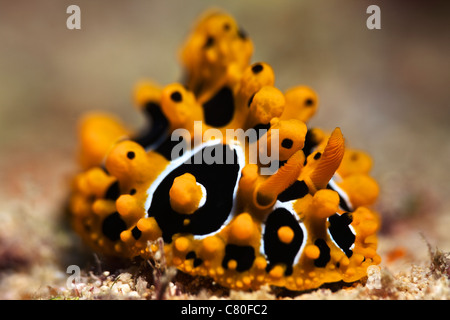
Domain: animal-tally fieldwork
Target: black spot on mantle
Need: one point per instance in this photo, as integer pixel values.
(243, 255)
(219, 181)
(157, 127)
(341, 232)
(219, 110)
(324, 256)
(297, 190)
(112, 226)
(276, 250)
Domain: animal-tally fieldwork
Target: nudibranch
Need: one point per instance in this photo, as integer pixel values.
(297, 221)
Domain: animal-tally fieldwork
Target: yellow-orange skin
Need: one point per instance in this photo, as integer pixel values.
(104, 141)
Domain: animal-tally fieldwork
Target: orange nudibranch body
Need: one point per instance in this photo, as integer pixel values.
(221, 210)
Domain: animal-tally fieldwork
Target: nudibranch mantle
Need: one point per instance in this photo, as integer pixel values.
(307, 223)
